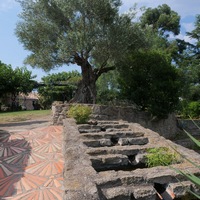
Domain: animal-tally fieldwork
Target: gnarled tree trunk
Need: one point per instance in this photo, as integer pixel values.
(86, 91)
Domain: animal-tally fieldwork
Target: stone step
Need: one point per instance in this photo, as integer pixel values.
(124, 150)
(114, 134)
(161, 175)
(115, 141)
(113, 178)
(98, 143)
(116, 162)
(84, 128)
(107, 162)
(133, 141)
(143, 192)
(99, 122)
(107, 127)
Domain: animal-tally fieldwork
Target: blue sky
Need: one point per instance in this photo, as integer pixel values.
(12, 52)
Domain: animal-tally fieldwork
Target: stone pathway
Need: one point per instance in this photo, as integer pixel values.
(31, 163)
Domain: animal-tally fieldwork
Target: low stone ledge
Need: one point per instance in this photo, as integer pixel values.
(78, 172)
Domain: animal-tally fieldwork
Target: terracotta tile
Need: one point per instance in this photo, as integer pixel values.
(35, 174)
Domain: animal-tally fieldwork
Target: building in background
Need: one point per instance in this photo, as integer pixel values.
(20, 102)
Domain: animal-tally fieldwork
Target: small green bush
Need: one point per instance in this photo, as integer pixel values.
(161, 156)
(80, 113)
(190, 109)
(194, 109)
(189, 176)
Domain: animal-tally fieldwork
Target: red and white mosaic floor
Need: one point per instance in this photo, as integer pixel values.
(31, 165)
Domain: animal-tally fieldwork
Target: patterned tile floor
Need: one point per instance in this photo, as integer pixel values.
(31, 164)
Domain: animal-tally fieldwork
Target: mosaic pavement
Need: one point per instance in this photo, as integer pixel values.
(31, 164)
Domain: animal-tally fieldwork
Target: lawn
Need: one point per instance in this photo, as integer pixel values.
(18, 116)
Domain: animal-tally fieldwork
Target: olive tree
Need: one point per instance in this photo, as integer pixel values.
(91, 34)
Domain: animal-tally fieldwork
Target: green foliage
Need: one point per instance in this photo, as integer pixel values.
(80, 113)
(90, 34)
(162, 19)
(194, 109)
(15, 81)
(189, 176)
(60, 32)
(189, 65)
(190, 109)
(149, 80)
(107, 88)
(58, 87)
(161, 156)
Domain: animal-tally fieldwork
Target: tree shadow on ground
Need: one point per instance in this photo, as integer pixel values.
(14, 155)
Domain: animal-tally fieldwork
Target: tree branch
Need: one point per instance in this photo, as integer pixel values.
(103, 70)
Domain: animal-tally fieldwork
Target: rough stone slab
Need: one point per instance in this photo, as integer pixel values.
(124, 150)
(98, 143)
(128, 193)
(108, 161)
(180, 188)
(133, 141)
(89, 129)
(107, 179)
(117, 129)
(143, 192)
(114, 126)
(121, 142)
(107, 122)
(117, 193)
(109, 135)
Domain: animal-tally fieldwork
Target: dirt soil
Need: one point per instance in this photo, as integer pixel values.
(14, 127)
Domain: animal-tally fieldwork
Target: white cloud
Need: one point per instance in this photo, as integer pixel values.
(7, 4)
(186, 38)
(188, 26)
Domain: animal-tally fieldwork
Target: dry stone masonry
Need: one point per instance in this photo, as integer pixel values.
(165, 127)
(104, 160)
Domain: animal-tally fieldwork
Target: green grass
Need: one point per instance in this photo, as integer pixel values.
(161, 156)
(18, 116)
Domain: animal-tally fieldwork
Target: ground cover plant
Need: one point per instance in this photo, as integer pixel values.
(161, 156)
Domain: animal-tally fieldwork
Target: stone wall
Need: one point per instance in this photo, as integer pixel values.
(78, 172)
(100, 168)
(165, 127)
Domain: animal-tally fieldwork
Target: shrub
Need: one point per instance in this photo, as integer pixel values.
(80, 113)
(150, 81)
(190, 109)
(194, 109)
(161, 156)
(189, 176)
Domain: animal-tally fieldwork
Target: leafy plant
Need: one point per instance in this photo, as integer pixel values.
(194, 109)
(148, 79)
(189, 176)
(80, 113)
(161, 156)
